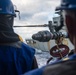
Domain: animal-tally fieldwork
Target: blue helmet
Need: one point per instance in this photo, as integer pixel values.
(7, 8)
(67, 4)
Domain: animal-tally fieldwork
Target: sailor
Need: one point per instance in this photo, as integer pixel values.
(68, 65)
(16, 57)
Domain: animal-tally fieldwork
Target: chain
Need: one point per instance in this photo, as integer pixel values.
(59, 41)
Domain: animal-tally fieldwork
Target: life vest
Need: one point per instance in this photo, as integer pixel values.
(15, 58)
(64, 67)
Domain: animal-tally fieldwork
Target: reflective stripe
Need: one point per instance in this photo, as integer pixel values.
(20, 38)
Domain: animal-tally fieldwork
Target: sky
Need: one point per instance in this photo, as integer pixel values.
(35, 11)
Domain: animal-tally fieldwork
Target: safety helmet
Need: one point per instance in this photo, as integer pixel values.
(7, 8)
(67, 4)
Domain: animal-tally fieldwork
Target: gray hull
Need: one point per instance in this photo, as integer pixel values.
(46, 46)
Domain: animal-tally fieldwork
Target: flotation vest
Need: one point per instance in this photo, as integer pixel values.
(65, 67)
(15, 58)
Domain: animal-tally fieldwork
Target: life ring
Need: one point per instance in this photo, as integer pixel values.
(63, 50)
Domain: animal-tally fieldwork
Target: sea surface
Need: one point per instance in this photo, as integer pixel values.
(25, 33)
(42, 57)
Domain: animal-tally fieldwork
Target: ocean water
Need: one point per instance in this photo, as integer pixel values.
(26, 32)
(42, 57)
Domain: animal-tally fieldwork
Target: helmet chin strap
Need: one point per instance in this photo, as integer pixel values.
(17, 11)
